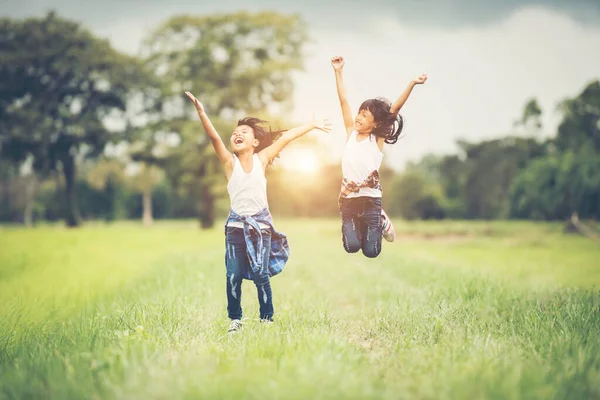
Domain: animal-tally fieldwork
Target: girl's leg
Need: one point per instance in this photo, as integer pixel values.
(263, 282)
(389, 232)
(236, 263)
(370, 225)
(351, 235)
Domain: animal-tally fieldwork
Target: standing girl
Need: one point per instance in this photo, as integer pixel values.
(254, 249)
(377, 122)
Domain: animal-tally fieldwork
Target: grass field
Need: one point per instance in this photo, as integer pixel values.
(449, 311)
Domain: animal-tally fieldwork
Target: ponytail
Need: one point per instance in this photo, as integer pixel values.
(396, 130)
(388, 125)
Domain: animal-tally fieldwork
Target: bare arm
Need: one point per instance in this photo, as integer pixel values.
(224, 155)
(404, 96)
(338, 64)
(269, 153)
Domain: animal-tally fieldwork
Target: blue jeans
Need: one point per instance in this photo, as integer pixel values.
(237, 265)
(362, 225)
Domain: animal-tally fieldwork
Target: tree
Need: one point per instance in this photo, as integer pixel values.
(107, 176)
(531, 119)
(58, 86)
(18, 185)
(150, 154)
(492, 165)
(144, 181)
(579, 130)
(567, 181)
(416, 197)
(236, 64)
(475, 183)
(453, 174)
(556, 186)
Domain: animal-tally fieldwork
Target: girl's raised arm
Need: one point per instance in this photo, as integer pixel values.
(269, 153)
(404, 96)
(337, 63)
(224, 155)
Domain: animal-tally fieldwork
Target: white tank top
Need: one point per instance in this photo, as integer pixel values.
(247, 191)
(359, 160)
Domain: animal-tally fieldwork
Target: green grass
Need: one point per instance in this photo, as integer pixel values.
(449, 311)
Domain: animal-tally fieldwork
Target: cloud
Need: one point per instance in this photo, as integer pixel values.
(484, 59)
(346, 14)
(458, 13)
(479, 78)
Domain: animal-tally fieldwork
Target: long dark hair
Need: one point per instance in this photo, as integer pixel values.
(264, 134)
(389, 125)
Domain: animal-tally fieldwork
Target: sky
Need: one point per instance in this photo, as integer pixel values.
(485, 58)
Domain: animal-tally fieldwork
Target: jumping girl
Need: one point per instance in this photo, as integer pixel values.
(254, 249)
(363, 220)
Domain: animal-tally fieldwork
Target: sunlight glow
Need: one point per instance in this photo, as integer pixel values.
(300, 160)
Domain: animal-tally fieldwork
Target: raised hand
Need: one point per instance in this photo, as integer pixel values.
(323, 125)
(337, 62)
(197, 104)
(419, 80)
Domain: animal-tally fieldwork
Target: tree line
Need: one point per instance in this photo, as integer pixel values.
(87, 132)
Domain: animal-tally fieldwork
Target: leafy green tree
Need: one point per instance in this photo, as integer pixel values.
(568, 180)
(531, 119)
(554, 187)
(416, 197)
(491, 166)
(579, 130)
(59, 85)
(236, 64)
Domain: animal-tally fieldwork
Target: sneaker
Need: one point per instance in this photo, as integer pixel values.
(389, 232)
(234, 326)
(266, 321)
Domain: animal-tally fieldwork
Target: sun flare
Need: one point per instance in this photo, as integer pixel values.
(300, 160)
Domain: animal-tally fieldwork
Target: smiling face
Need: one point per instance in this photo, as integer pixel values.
(364, 121)
(374, 117)
(242, 139)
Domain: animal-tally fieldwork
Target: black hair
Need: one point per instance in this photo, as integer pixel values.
(388, 124)
(265, 135)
